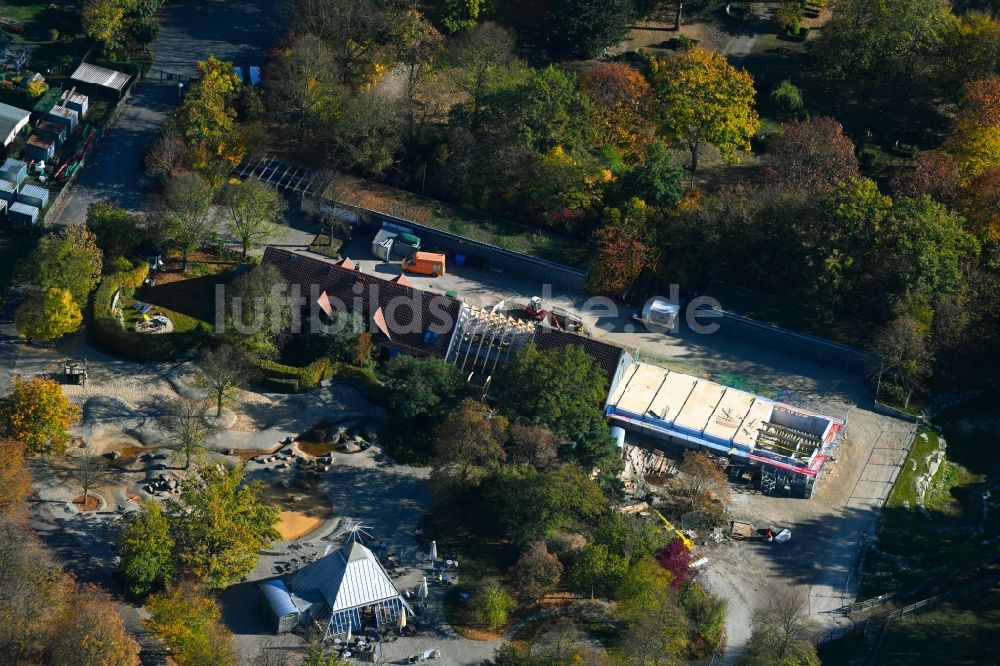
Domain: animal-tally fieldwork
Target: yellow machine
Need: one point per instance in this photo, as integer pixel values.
(680, 535)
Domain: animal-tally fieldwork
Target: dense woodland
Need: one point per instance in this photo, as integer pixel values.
(495, 108)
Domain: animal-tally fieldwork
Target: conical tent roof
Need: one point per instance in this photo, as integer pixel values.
(349, 578)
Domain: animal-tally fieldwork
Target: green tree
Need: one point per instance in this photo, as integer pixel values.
(185, 216)
(69, 259)
(303, 84)
(190, 623)
(906, 358)
(468, 444)
(220, 525)
(480, 53)
(48, 317)
(104, 20)
(630, 537)
(787, 97)
(421, 387)
(543, 110)
(530, 505)
(257, 316)
(883, 46)
(492, 605)
(366, 135)
(581, 28)
(563, 389)
(596, 569)
(701, 98)
(145, 550)
(116, 230)
(36, 413)
(658, 179)
(252, 209)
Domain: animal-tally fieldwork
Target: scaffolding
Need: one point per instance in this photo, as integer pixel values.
(484, 339)
(787, 442)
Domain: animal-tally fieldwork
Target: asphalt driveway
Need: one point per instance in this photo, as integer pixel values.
(189, 32)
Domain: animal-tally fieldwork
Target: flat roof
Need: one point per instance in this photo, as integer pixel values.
(700, 404)
(100, 76)
(746, 434)
(728, 416)
(672, 396)
(12, 113)
(641, 389)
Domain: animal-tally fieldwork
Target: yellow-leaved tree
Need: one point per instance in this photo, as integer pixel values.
(701, 98)
(52, 316)
(36, 413)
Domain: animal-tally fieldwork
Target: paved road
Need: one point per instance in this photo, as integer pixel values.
(189, 32)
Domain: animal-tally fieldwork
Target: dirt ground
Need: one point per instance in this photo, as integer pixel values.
(829, 531)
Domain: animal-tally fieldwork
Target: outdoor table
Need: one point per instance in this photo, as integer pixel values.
(346, 654)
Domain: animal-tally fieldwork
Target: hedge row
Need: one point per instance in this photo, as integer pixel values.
(291, 379)
(107, 328)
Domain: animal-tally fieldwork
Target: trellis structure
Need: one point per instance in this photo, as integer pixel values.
(277, 174)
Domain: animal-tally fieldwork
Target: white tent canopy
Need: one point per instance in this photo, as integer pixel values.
(355, 588)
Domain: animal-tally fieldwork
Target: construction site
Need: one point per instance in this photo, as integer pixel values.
(779, 448)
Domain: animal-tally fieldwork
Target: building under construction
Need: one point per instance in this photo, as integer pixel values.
(783, 448)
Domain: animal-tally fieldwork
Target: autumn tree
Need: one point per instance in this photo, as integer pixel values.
(535, 446)
(207, 117)
(625, 249)
(33, 591)
(220, 525)
(15, 482)
(468, 444)
(145, 550)
(420, 393)
(49, 315)
(971, 48)
(189, 621)
(814, 155)
(252, 211)
(656, 629)
(366, 135)
(90, 632)
(36, 413)
(185, 215)
(536, 572)
(621, 107)
(167, 153)
(69, 259)
(700, 98)
(185, 423)
(701, 482)
(104, 21)
(223, 371)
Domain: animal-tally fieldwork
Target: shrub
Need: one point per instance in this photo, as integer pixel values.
(280, 385)
(684, 42)
(492, 605)
(787, 97)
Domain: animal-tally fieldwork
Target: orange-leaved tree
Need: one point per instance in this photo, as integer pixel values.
(625, 248)
(701, 98)
(37, 414)
(621, 111)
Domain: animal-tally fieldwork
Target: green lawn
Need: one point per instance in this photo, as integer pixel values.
(25, 12)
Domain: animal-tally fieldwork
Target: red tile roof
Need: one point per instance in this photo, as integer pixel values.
(411, 315)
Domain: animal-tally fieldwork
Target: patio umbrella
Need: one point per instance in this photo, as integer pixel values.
(348, 639)
(423, 592)
(402, 617)
(434, 550)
